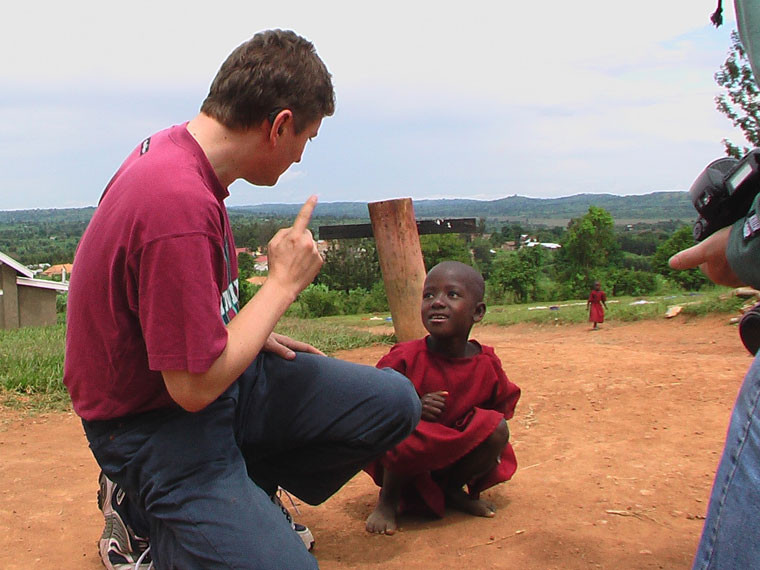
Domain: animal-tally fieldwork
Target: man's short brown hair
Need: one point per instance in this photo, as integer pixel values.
(272, 71)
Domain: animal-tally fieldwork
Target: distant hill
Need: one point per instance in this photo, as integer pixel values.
(46, 215)
(657, 206)
(654, 207)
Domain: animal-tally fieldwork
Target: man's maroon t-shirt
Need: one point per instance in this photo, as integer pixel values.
(153, 284)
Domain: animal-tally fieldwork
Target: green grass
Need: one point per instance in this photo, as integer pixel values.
(31, 367)
(626, 309)
(329, 334)
(31, 359)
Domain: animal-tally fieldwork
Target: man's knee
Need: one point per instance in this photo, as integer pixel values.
(399, 402)
(404, 398)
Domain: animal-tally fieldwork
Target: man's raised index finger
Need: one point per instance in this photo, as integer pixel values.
(304, 216)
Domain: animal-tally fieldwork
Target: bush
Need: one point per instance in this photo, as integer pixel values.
(548, 290)
(354, 302)
(514, 274)
(363, 301)
(637, 262)
(317, 301)
(247, 291)
(576, 285)
(630, 282)
(494, 294)
(376, 300)
(690, 279)
(61, 304)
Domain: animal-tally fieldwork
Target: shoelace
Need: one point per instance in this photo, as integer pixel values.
(280, 491)
(142, 557)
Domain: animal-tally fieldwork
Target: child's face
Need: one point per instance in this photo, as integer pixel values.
(449, 305)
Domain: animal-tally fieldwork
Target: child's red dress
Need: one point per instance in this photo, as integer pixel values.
(596, 311)
(480, 396)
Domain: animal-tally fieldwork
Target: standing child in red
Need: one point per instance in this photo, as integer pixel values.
(596, 299)
(463, 438)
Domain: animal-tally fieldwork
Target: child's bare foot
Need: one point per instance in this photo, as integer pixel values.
(382, 520)
(458, 499)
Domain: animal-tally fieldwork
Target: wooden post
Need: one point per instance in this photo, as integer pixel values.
(400, 256)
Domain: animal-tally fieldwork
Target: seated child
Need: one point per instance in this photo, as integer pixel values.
(463, 438)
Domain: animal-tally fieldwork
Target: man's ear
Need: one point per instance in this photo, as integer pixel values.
(479, 313)
(282, 120)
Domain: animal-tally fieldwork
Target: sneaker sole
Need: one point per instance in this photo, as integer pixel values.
(306, 536)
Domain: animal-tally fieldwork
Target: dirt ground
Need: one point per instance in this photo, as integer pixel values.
(618, 434)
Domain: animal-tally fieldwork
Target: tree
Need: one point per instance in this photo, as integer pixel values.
(352, 264)
(483, 255)
(589, 247)
(246, 265)
(517, 272)
(740, 103)
(512, 232)
(255, 234)
(690, 279)
(590, 241)
(444, 247)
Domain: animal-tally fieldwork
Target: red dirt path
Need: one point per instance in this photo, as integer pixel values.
(617, 436)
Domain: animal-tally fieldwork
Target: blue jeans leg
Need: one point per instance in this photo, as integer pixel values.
(310, 424)
(731, 534)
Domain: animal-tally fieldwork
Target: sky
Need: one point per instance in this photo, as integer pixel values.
(474, 99)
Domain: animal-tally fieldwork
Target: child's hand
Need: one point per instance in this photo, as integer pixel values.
(433, 405)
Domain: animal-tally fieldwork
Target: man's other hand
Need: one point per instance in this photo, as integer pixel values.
(286, 347)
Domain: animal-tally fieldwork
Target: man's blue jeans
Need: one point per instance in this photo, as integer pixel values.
(731, 535)
(203, 480)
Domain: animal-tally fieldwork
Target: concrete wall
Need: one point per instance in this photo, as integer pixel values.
(24, 306)
(9, 317)
(36, 306)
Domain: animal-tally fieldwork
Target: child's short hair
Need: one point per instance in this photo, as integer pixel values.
(473, 276)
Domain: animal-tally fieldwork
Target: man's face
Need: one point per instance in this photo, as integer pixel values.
(289, 149)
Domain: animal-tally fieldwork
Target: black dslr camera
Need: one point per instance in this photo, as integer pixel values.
(722, 194)
(724, 191)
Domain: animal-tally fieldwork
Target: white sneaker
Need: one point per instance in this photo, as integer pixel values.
(119, 547)
(301, 530)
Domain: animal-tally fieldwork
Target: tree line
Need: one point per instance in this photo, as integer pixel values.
(629, 260)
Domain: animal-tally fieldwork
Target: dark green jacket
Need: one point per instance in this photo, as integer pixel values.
(743, 251)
